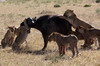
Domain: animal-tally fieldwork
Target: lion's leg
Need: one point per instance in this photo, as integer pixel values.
(15, 46)
(3, 43)
(87, 44)
(72, 49)
(76, 49)
(64, 48)
(98, 42)
(11, 41)
(26, 44)
(59, 50)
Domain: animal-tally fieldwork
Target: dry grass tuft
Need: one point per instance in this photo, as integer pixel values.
(13, 14)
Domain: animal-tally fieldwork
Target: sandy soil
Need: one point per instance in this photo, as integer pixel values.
(13, 14)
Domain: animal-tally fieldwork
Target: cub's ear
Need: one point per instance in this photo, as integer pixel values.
(13, 26)
(67, 9)
(8, 27)
(72, 10)
(34, 18)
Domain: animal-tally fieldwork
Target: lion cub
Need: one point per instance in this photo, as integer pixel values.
(9, 37)
(65, 41)
(21, 37)
(90, 34)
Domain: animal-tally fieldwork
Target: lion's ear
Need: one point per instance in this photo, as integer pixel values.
(13, 26)
(68, 10)
(72, 10)
(25, 20)
(9, 27)
(35, 18)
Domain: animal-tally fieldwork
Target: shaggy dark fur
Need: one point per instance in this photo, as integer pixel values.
(48, 24)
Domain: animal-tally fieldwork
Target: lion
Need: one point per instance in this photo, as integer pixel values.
(90, 34)
(65, 41)
(76, 22)
(13, 33)
(87, 44)
(21, 37)
(9, 37)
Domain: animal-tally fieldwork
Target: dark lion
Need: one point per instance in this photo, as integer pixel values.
(63, 41)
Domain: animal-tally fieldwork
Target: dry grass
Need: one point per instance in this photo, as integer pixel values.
(14, 13)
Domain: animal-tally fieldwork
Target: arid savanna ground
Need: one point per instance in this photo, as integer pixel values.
(13, 12)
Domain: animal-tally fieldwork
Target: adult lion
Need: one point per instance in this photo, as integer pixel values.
(76, 22)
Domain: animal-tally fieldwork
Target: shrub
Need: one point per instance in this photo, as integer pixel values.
(87, 5)
(98, 11)
(57, 5)
(97, 1)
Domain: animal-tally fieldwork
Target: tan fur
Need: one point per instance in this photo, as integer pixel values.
(21, 37)
(72, 18)
(90, 34)
(63, 41)
(13, 33)
(76, 22)
(9, 37)
(82, 37)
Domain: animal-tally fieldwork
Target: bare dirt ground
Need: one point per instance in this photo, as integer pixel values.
(12, 14)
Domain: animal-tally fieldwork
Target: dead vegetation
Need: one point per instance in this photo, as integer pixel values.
(12, 14)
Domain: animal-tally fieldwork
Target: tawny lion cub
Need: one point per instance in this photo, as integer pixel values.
(21, 37)
(9, 37)
(65, 41)
(90, 34)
